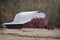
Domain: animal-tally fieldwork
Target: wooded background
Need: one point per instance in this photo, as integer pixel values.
(9, 8)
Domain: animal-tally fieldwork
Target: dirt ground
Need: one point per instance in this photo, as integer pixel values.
(29, 34)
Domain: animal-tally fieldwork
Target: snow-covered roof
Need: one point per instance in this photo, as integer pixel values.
(24, 17)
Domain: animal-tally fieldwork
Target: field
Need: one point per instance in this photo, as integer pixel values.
(29, 34)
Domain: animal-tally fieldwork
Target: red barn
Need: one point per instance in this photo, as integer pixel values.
(31, 19)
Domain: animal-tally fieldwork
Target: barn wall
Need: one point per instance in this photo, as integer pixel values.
(34, 23)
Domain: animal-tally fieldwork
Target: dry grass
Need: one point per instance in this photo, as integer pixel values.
(32, 33)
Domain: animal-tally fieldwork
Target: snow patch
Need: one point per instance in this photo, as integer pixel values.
(24, 17)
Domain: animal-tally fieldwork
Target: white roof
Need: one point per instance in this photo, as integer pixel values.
(25, 17)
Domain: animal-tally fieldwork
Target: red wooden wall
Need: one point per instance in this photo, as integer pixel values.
(34, 23)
